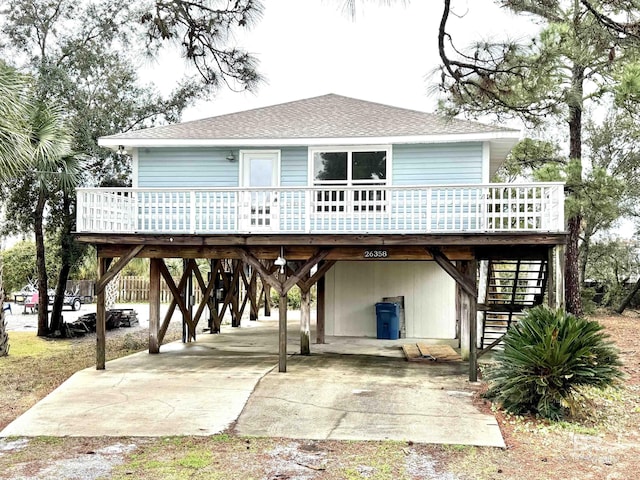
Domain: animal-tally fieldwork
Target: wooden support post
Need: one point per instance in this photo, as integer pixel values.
(305, 321)
(320, 304)
(560, 266)
(188, 327)
(470, 272)
(253, 295)
(465, 326)
(469, 317)
(101, 320)
(235, 288)
(154, 305)
(552, 298)
(267, 298)
(282, 337)
(473, 335)
(266, 288)
(212, 300)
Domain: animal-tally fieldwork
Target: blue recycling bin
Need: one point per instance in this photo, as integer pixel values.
(388, 320)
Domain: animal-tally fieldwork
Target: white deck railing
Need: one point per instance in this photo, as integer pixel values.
(532, 207)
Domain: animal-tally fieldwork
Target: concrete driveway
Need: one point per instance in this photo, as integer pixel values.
(348, 389)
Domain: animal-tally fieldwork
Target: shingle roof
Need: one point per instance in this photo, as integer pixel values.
(327, 116)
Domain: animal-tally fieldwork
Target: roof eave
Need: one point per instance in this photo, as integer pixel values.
(509, 136)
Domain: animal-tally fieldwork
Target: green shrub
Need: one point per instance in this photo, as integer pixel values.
(294, 298)
(547, 357)
(587, 295)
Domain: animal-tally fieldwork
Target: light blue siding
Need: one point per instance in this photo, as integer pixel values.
(187, 167)
(294, 167)
(419, 164)
(433, 164)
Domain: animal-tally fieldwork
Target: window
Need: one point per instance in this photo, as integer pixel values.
(358, 167)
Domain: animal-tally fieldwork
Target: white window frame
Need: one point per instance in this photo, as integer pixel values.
(244, 165)
(349, 182)
(350, 150)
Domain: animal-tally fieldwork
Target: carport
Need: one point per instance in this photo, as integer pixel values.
(348, 389)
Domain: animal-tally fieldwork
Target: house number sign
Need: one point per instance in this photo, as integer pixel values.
(376, 253)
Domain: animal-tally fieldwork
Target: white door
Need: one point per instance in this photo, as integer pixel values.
(260, 172)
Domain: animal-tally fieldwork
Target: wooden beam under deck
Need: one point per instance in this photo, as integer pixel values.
(393, 253)
(317, 240)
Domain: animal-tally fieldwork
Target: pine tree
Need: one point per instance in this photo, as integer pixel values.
(586, 51)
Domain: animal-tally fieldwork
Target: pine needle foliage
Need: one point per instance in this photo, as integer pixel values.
(547, 358)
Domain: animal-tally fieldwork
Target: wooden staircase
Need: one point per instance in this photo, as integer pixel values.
(512, 286)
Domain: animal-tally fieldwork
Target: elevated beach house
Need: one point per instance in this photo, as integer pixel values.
(365, 200)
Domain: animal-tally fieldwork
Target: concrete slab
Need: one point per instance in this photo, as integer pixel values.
(342, 397)
(186, 390)
(349, 389)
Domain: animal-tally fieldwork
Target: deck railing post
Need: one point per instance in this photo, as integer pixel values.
(559, 189)
(192, 211)
(429, 209)
(308, 210)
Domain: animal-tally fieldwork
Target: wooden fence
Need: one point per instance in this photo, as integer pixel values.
(136, 289)
(130, 290)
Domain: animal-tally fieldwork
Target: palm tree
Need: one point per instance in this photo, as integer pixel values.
(13, 139)
(36, 144)
(55, 169)
(13, 120)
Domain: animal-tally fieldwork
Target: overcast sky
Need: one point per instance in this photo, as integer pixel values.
(308, 48)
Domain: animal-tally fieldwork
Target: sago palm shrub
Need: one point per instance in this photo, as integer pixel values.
(547, 358)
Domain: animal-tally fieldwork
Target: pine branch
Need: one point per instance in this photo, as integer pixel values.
(623, 29)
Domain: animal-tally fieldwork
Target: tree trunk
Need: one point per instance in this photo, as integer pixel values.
(67, 254)
(58, 301)
(4, 336)
(572, 266)
(573, 299)
(41, 265)
(627, 300)
(583, 253)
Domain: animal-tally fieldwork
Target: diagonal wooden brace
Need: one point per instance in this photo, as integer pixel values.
(442, 260)
(116, 268)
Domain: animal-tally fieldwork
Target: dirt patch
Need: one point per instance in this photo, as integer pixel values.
(603, 443)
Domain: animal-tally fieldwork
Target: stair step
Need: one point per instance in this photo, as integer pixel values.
(512, 286)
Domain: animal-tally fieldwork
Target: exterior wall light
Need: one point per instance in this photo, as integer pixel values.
(231, 157)
(281, 261)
